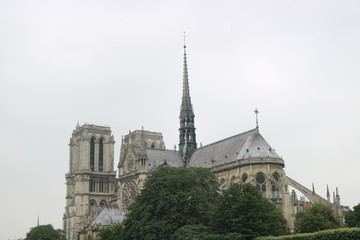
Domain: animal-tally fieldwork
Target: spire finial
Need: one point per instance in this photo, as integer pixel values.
(327, 191)
(257, 120)
(184, 42)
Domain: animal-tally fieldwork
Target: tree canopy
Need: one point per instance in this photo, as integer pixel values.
(352, 218)
(317, 218)
(45, 232)
(171, 198)
(111, 233)
(191, 232)
(242, 209)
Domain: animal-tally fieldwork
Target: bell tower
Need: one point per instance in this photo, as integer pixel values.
(91, 180)
(187, 136)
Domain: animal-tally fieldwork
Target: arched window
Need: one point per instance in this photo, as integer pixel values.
(103, 203)
(275, 192)
(92, 153)
(101, 185)
(244, 178)
(276, 176)
(101, 155)
(260, 181)
(93, 205)
(92, 184)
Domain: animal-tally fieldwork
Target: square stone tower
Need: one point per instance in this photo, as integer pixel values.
(91, 180)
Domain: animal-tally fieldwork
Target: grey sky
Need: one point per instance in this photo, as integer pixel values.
(120, 63)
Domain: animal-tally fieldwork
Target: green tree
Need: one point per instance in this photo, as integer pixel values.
(242, 209)
(191, 232)
(352, 217)
(111, 233)
(317, 218)
(171, 198)
(45, 232)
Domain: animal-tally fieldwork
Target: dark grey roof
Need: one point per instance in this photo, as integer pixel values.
(157, 157)
(108, 216)
(246, 145)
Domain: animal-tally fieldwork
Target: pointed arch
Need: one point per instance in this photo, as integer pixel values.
(92, 153)
(275, 188)
(101, 154)
(244, 178)
(260, 182)
(103, 203)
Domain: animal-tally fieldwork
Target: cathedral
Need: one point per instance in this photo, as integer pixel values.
(98, 196)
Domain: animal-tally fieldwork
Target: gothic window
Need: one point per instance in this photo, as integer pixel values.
(275, 192)
(103, 203)
(261, 182)
(93, 205)
(276, 176)
(92, 153)
(101, 185)
(244, 178)
(92, 184)
(101, 155)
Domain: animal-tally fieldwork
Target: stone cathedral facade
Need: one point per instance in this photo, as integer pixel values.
(97, 197)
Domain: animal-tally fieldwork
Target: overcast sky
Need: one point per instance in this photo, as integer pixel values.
(119, 63)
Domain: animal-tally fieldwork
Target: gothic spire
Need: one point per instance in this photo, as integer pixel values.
(187, 136)
(313, 188)
(327, 193)
(186, 99)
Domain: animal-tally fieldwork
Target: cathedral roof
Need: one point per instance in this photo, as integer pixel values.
(108, 216)
(247, 145)
(157, 157)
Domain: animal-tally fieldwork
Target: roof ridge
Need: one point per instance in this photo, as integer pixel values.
(234, 136)
(157, 149)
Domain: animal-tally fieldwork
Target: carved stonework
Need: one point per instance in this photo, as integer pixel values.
(130, 163)
(129, 192)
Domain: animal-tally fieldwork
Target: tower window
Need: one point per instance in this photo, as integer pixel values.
(92, 184)
(101, 185)
(101, 155)
(92, 153)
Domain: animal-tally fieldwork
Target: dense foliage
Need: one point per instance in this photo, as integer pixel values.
(112, 233)
(317, 218)
(352, 218)
(242, 209)
(334, 234)
(189, 232)
(171, 198)
(45, 232)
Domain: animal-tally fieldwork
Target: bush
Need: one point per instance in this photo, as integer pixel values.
(335, 234)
